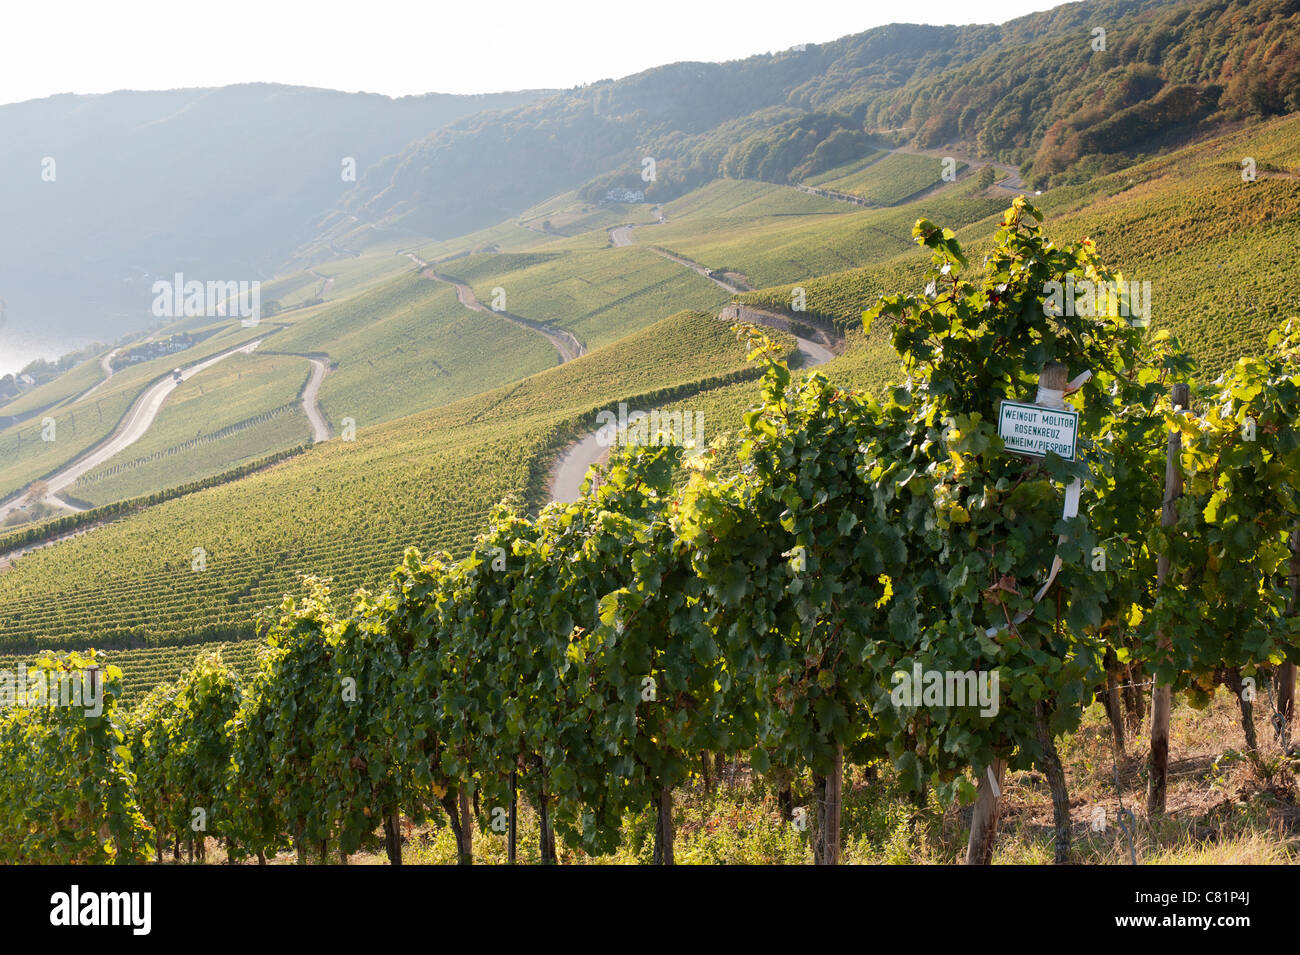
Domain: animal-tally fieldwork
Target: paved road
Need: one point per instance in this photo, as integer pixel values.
(131, 429)
(572, 465)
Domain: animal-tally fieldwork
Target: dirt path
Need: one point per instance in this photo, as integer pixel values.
(105, 363)
(566, 343)
(1010, 181)
(327, 283)
(621, 236)
(131, 429)
(320, 429)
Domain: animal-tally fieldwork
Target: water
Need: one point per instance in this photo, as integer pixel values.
(18, 348)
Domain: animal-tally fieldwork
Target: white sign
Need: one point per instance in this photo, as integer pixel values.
(1034, 430)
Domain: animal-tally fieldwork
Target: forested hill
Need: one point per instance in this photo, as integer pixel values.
(1033, 92)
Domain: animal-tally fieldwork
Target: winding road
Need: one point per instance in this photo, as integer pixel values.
(131, 429)
(571, 466)
(320, 429)
(106, 364)
(144, 410)
(566, 343)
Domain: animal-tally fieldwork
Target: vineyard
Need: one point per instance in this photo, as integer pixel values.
(54, 392)
(346, 510)
(824, 178)
(892, 180)
(242, 409)
(1211, 245)
(777, 249)
(599, 296)
(566, 215)
(26, 451)
(408, 345)
(593, 668)
(147, 668)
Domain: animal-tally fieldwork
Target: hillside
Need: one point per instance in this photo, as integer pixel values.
(406, 473)
(254, 167)
(1032, 92)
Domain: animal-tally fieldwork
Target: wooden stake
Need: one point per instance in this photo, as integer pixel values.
(1286, 672)
(512, 835)
(1052, 382)
(828, 832)
(1162, 694)
(1114, 708)
(984, 818)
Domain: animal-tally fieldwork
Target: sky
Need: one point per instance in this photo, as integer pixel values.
(404, 48)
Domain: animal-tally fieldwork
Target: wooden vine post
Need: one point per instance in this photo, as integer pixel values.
(1286, 672)
(826, 851)
(1162, 694)
(1052, 385)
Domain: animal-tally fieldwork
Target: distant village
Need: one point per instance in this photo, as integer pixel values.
(619, 194)
(156, 349)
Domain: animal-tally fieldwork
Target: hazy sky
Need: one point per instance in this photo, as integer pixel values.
(399, 48)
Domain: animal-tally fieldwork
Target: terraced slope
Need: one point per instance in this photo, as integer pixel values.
(599, 296)
(343, 509)
(408, 345)
(25, 455)
(238, 411)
